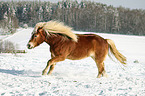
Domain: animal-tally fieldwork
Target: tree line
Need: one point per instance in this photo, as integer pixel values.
(83, 16)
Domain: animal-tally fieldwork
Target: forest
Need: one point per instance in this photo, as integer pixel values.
(83, 16)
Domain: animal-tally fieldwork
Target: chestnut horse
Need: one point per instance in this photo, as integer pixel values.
(66, 45)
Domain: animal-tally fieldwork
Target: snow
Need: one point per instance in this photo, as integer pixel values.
(20, 74)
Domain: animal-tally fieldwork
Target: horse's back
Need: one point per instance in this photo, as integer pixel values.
(88, 45)
(90, 40)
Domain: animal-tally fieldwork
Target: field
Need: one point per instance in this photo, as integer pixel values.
(20, 74)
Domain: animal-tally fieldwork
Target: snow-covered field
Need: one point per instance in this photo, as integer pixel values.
(20, 74)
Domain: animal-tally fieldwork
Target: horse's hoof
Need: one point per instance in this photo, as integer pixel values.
(105, 75)
(48, 74)
(44, 73)
(99, 76)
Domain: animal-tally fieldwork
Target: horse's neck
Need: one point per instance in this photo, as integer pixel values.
(54, 39)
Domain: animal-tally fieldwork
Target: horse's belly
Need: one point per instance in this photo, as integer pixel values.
(76, 58)
(80, 55)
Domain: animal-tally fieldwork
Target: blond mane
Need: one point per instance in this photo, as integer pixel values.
(56, 27)
(38, 25)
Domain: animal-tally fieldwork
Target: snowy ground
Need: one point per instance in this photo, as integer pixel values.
(20, 74)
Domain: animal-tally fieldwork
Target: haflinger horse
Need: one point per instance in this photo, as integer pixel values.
(64, 44)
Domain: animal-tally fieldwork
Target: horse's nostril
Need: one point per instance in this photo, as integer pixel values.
(28, 45)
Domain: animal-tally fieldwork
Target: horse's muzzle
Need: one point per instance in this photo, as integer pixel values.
(29, 46)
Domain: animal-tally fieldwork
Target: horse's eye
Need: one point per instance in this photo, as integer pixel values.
(35, 36)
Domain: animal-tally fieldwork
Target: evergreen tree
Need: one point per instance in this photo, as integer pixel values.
(84, 16)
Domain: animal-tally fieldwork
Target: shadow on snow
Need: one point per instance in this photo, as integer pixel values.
(25, 73)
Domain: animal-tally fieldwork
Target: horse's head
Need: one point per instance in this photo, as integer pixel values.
(37, 38)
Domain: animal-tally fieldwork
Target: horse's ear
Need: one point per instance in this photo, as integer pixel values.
(40, 29)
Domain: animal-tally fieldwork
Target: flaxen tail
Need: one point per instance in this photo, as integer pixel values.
(115, 52)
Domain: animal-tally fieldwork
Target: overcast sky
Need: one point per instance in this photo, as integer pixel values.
(133, 4)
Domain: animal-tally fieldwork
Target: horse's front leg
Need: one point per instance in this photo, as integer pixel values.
(44, 72)
(51, 69)
(52, 66)
(51, 63)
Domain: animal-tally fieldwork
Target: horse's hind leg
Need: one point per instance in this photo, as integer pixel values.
(100, 65)
(101, 70)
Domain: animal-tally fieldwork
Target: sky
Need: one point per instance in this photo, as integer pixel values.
(132, 4)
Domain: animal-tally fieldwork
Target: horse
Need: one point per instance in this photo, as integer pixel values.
(64, 44)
